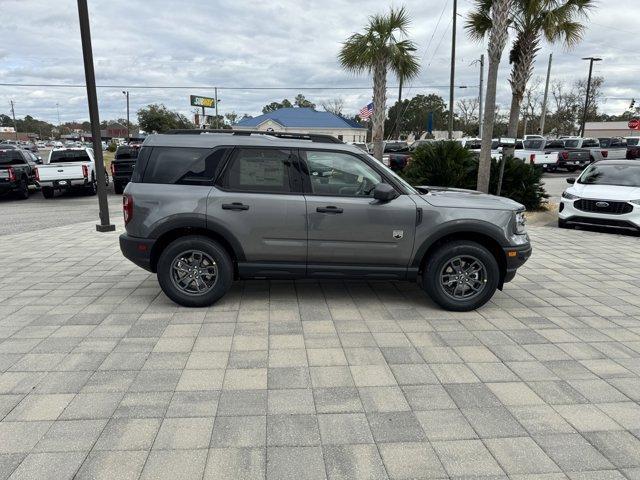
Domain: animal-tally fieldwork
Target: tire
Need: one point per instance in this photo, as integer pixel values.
(47, 192)
(180, 248)
(118, 188)
(23, 190)
(92, 188)
(472, 254)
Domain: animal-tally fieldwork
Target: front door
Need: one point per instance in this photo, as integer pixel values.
(258, 200)
(348, 230)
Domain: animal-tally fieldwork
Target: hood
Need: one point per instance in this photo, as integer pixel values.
(605, 192)
(460, 198)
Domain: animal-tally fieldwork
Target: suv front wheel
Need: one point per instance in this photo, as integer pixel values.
(195, 271)
(461, 276)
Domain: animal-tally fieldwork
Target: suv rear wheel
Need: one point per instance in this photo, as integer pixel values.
(195, 271)
(461, 276)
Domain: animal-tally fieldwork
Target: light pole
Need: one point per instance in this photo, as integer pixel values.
(453, 67)
(94, 117)
(586, 100)
(128, 131)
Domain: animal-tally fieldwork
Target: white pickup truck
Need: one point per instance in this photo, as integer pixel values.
(68, 168)
(616, 146)
(552, 154)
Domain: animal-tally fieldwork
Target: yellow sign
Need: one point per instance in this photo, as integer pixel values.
(207, 102)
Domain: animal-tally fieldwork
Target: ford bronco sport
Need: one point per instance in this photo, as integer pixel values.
(205, 208)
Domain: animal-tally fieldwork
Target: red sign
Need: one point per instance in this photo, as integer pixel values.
(634, 124)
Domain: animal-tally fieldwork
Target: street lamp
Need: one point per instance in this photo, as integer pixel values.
(586, 101)
(128, 133)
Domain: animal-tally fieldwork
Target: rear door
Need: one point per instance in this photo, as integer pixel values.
(349, 231)
(258, 199)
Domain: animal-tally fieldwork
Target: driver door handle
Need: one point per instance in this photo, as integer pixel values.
(329, 209)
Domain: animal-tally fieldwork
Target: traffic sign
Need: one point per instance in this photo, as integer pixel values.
(634, 124)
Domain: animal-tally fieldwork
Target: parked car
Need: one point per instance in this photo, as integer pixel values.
(606, 194)
(122, 166)
(396, 155)
(633, 148)
(592, 145)
(552, 154)
(204, 209)
(68, 168)
(616, 146)
(16, 172)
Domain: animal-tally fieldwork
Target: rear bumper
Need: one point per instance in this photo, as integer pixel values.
(64, 183)
(8, 186)
(121, 177)
(137, 250)
(515, 258)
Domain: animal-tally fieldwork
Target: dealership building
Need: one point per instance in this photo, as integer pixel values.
(610, 129)
(305, 120)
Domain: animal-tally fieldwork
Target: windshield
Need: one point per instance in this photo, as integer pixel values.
(533, 144)
(633, 141)
(126, 153)
(395, 146)
(571, 143)
(625, 175)
(396, 177)
(605, 142)
(10, 157)
(64, 156)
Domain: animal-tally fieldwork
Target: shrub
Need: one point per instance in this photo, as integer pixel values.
(449, 164)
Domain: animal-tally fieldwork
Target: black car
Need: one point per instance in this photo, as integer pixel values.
(122, 166)
(17, 172)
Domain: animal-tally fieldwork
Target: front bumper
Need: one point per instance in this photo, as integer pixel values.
(515, 258)
(138, 250)
(572, 216)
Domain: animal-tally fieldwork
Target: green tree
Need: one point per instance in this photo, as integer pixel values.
(302, 102)
(415, 111)
(490, 18)
(535, 20)
(382, 47)
(158, 118)
(276, 106)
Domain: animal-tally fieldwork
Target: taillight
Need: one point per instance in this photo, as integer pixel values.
(85, 171)
(532, 158)
(12, 174)
(564, 155)
(605, 153)
(37, 173)
(127, 208)
(113, 169)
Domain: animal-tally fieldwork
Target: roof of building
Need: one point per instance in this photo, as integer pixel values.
(301, 118)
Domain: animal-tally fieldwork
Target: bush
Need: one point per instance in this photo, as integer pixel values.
(449, 164)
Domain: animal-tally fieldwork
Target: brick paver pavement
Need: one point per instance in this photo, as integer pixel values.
(102, 377)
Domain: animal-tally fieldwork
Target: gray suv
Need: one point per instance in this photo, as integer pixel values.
(204, 209)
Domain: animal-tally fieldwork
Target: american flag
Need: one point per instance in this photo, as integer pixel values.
(366, 111)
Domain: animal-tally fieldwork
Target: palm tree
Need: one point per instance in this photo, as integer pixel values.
(490, 18)
(534, 20)
(382, 47)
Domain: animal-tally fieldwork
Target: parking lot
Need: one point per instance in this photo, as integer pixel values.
(103, 377)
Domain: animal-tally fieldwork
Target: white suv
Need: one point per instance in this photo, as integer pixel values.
(606, 194)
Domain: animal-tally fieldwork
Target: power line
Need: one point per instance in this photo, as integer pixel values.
(209, 87)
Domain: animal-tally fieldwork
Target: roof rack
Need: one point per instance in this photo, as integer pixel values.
(313, 137)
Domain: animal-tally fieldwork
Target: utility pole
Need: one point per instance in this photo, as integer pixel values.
(586, 101)
(94, 117)
(399, 115)
(453, 67)
(481, 96)
(15, 125)
(58, 109)
(543, 114)
(128, 128)
(215, 90)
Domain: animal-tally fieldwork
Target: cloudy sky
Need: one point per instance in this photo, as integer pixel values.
(241, 45)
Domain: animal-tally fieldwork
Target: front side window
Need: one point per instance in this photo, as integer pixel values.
(259, 170)
(340, 174)
(183, 166)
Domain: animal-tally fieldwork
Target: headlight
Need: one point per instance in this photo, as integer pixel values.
(569, 196)
(520, 223)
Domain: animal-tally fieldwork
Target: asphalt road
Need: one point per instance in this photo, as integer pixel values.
(556, 183)
(64, 209)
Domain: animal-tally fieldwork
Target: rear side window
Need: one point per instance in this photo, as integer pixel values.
(183, 166)
(259, 170)
(590, 143)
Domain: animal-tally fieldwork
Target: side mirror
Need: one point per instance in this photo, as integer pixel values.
(571, 180)
(384, 192)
